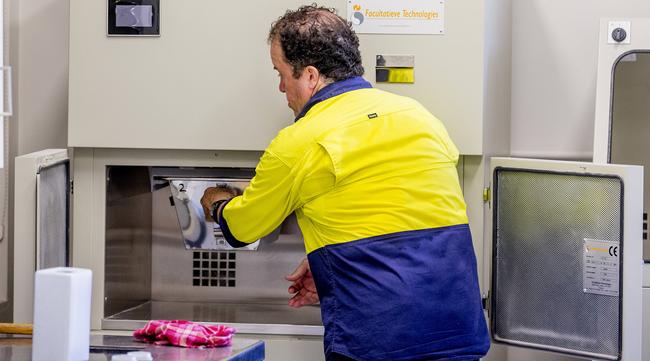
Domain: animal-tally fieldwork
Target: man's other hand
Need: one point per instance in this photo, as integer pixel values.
(213, 194)
(303, 287)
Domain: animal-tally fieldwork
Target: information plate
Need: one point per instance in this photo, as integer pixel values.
(600, 271)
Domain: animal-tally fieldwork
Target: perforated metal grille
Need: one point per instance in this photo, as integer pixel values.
(52, 191)
(541, 221)
(214, 269)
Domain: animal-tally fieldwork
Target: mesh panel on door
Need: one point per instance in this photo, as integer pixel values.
(52, 189)
(541, 220)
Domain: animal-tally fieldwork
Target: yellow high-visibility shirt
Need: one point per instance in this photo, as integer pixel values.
(360, 164)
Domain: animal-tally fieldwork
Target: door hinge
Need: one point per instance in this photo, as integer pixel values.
(486, 194)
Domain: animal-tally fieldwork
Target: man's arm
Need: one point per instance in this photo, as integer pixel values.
(275, 192)
(269, 198)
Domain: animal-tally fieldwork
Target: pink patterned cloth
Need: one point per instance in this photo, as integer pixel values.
(185, 334)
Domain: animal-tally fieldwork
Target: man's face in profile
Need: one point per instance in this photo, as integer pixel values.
(297, 90)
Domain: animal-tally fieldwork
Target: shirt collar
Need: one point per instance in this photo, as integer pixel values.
(332, 90)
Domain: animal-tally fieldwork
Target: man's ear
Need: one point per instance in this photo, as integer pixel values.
(314, 76)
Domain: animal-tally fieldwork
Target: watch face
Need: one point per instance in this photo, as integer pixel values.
(133, 17)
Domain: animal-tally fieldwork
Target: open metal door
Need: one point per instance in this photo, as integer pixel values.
(53, 214)
(566, 257)
(41, 222)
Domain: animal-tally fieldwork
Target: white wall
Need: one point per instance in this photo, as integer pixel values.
(38, 52)
(554, 61)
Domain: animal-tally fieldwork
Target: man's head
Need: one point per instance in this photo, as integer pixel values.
(310, 48)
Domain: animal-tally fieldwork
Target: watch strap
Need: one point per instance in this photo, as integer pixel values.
(214, 209)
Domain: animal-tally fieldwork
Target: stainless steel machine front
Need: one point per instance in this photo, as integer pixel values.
(152, 273)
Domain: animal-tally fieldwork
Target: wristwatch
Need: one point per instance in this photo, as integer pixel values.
(214, 209)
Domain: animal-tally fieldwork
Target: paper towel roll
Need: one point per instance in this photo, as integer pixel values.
(62, 314)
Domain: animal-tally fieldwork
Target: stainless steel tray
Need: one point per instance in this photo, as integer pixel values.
(257, 318)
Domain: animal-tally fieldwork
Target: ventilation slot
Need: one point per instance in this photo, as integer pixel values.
(213, 269)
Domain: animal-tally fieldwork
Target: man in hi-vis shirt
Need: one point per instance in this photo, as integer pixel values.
(372, 179)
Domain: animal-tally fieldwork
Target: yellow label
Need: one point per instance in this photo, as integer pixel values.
(401, 75)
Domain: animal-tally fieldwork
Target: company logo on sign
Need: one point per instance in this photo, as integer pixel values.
(357, 17)
(611, 250)
(397, 17)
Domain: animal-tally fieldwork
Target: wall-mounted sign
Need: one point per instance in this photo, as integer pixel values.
(397, 17)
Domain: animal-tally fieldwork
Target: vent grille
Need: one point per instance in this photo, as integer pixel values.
(213, 269)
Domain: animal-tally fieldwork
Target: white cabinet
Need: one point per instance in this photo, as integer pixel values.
(621, 119)
(207, 81)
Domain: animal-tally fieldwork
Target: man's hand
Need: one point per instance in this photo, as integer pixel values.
(213, 194)
(303, 287)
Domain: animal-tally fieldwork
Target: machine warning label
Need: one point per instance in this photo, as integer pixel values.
(600, 267)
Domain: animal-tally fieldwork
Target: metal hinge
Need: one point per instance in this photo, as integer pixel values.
(486, 194)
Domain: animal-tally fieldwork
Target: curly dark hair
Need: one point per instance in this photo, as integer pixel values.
(317, 36)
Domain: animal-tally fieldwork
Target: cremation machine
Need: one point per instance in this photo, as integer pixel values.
(168, 93)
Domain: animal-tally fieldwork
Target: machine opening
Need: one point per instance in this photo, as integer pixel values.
(150, 273)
